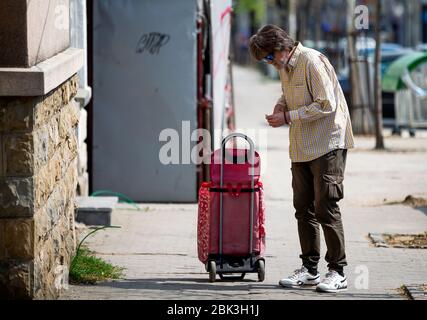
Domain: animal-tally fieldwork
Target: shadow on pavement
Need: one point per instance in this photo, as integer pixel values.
(186, 284)
(423, 210)
(246, 286)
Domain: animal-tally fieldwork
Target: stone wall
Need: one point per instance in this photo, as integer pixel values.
(38, 179)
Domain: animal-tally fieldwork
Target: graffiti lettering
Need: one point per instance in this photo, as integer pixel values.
(152, 42)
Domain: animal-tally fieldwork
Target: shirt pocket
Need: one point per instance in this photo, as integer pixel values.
(298, 94)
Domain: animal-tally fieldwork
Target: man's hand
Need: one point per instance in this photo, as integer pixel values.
(276, 120)
(278, 108)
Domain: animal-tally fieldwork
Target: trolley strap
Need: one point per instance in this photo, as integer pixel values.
(234, 189)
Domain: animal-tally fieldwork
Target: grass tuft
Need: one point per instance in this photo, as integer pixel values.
(86, 268)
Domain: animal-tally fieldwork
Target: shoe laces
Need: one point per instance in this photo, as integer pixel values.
(330, 277)
(297, 272)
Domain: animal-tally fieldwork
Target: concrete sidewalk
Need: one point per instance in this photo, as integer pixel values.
(157, 246)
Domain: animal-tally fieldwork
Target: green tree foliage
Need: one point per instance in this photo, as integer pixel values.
(256, 6)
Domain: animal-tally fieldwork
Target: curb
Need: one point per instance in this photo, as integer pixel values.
(415, 291)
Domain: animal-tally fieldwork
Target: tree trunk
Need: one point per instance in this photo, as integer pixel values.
(293, 19)
(318, 5)
(351, 56)
(302, 19)
(361, 115)
(378, 99)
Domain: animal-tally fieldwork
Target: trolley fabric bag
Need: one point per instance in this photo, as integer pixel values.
(207, 238)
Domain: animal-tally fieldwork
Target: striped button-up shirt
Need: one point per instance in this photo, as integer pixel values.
(320, 120)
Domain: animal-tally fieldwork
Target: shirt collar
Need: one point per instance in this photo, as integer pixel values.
(293, 59)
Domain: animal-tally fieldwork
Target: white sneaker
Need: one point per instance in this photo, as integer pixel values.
(300, 278)
(333, 283)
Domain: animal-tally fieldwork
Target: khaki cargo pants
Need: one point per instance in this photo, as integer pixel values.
(317, 187)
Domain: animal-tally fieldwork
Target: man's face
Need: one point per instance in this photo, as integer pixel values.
(280, 59)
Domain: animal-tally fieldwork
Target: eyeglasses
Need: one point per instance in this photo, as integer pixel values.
(268, 58)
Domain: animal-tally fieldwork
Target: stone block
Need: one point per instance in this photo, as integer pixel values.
(18, 155)
(42, 227)
(65, 125)
(46, 179)
(75, 113)
(13, 33)
(68, 121)
(44, 77)
(54, 177)
(95, 210)
(47, 109)
(54, 253)
(44, 183)
(16, 197)
(18, 239)
(43, 147)
(3, 115)
(49, 35)
(70, 180)
(2, 165)
(16, 279)
(16, 114)
(56, 204)
(32, 31)
(54, 139)
(44, 267)
(69, 151)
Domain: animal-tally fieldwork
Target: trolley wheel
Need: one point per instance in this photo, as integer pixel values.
(212, 271)
(261, 270)
(412, 133)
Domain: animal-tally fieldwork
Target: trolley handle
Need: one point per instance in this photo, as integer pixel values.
(239, 135)
(251, 160)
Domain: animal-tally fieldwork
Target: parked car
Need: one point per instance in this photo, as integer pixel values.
(366, 50)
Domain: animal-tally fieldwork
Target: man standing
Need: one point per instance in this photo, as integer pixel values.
(314, 107)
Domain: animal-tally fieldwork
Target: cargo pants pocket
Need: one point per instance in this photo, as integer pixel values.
(333, 187)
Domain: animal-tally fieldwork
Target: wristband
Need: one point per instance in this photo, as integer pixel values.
(286, 120)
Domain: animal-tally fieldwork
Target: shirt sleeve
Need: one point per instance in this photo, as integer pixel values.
(282, 102)
(321, 87)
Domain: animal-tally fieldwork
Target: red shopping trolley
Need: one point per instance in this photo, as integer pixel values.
(231, 214)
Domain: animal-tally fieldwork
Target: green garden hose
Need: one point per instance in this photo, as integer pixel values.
(122, 197)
